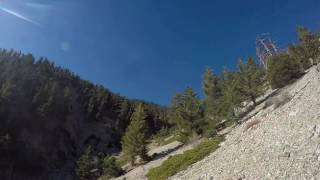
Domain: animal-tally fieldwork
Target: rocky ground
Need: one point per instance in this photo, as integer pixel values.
(274, 143)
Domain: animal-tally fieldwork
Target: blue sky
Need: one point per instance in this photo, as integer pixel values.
(149, 49)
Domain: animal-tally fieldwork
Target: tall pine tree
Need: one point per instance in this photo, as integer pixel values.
(186, 111)
(251, 80)
(212, 91)
(192, 106)
(134, 140)
(231, 99)
(175, 113)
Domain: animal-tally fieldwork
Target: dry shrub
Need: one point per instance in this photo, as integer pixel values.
(251, 124)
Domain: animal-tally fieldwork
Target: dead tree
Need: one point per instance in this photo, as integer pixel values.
(265, 48)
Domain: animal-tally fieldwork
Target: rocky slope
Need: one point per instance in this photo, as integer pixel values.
(275, 143)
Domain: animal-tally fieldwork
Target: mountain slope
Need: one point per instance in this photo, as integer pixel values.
(49, 115)
(281, 142)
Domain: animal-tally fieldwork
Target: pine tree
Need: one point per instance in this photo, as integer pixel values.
(251, 80)
(210, 84)
(306, 49)
(192, 106)
(282, 70)
(84, 164)
(309, 42)
(124, 114)
(212, 91)
(175, 111)
(186, 111)
(231, 99)
(111, 167)
(134, 140)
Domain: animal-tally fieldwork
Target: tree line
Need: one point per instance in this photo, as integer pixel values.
(229, 95)
(49, 116)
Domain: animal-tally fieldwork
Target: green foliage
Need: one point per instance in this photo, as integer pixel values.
(183, 136)
(110, 167)
(180, 162)
(165, 136)
(84, 165)
(210, 84)
(212, 90)
(191, 105)
(210, 128)
(186, 111)
(251, 80)
(307, 47)
(282, 70)
(231, 97)
(134, 140)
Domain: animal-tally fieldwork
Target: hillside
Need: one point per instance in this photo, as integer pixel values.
(49, 116)
(55, 125)
(275, 143)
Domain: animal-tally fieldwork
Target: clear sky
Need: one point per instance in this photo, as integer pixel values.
(149, 49)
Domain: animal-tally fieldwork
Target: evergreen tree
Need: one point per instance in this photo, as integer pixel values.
(192, 106)
(309, 42)
(210, 84)
(282, 70)
(125, 112)
(231, 98)
(111, 167)
(134, 140)
(175, 113)
(84, 165)
(187, 112)
(212, 91)
(251, 80)
(306, 49)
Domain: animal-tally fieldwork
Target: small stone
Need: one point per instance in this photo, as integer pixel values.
(293, 113)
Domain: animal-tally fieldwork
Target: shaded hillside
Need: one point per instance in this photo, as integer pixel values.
(49, 115)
